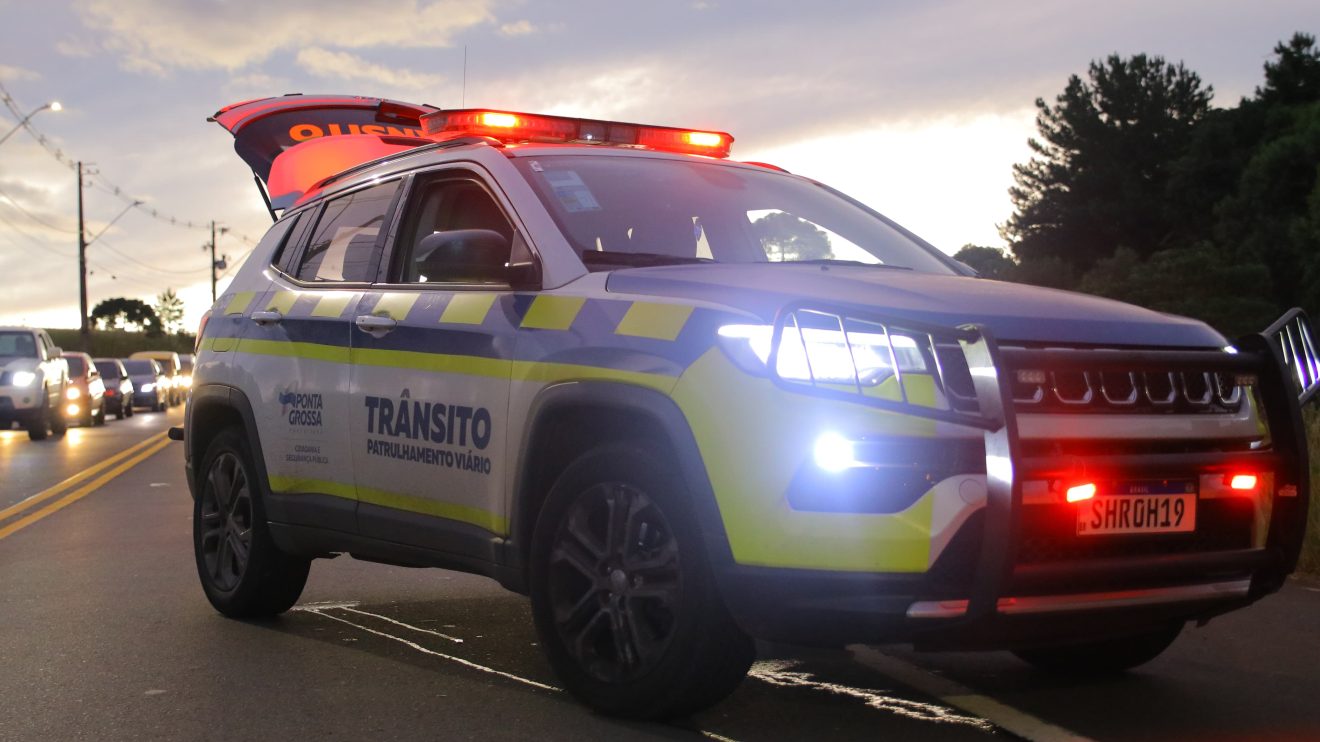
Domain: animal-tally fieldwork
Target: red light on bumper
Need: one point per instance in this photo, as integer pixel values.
(1242, 482)
(1080, 492)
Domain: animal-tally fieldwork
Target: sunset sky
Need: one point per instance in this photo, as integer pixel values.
(917, 108)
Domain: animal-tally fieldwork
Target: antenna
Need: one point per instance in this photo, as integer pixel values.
(463, 103)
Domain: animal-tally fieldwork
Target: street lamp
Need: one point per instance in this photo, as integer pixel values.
(52, 106)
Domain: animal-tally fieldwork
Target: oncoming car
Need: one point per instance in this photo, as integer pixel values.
(682, 401)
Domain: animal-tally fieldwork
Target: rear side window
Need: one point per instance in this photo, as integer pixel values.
(276, 241)
(347, 242)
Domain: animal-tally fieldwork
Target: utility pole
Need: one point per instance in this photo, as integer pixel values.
(83, 328)
(213, 261)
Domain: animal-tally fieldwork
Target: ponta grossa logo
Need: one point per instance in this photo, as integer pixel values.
(303, 410)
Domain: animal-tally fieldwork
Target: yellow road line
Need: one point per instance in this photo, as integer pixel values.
(46, 494)
(85, 490)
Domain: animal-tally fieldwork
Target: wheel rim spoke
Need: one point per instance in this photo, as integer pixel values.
(615, 581)
(225, 522)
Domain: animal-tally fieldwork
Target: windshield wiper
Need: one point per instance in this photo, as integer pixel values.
(839, 261)
(637, 259)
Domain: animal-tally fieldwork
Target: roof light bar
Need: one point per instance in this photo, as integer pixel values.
(510, 126)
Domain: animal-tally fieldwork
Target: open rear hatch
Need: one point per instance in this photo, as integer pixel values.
(295, 141)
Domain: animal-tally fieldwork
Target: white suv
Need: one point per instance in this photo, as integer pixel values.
(33, 379)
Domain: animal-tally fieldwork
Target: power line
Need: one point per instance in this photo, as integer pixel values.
(106, 244)
(105, 183)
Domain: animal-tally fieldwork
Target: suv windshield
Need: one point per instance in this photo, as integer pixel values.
(627, 211)
(17, 345)
(76, 366)
(108, 369)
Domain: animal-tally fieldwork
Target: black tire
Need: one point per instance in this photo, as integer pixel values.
(632, 623)
(99, 417)
(38, 426)
(119, 412)
(127, 407)
(59, 424)
(1105, 657)
(242, 571)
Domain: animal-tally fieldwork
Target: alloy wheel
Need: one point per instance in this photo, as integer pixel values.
(615, 582)
(226, 521)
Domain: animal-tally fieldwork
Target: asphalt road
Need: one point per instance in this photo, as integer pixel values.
(104, 634)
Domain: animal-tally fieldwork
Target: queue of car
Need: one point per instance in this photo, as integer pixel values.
(45, 389)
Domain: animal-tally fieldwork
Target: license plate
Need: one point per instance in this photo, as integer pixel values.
(1139, 507)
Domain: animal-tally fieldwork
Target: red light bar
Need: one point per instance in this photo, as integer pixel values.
(508, 126)
(1081, 492)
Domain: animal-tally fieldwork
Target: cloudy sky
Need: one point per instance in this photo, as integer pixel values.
(918, 108)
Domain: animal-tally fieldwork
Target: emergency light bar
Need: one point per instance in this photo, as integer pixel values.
(508, 126)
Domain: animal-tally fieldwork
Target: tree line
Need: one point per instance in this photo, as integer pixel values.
(135, 315)
(1139, 190)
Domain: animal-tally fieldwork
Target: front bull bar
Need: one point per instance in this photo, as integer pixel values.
(1281, 361)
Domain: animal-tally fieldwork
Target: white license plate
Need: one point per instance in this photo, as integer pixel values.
(1107, 515)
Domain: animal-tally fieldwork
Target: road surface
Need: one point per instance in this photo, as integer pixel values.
(104, 634)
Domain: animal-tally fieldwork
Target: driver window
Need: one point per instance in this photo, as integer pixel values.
(457, 207)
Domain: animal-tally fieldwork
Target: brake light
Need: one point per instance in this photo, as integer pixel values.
(1242, 482)
(1080, 492)
(526, 127)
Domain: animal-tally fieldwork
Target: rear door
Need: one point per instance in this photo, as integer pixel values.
(299, 346)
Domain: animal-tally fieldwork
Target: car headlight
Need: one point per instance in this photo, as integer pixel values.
(862, 354)
(187, 381)
(23, 378)
(148, 387)
(73, 392)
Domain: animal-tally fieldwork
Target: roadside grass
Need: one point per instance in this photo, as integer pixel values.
(1310, 561)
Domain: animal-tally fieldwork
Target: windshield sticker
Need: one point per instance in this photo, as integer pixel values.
(572, 193)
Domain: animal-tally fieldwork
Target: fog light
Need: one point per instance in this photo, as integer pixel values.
(833, 452)
(71, 410)
(1081, 492)
(1242, 482)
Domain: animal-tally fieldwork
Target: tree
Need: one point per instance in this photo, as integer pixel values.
(1199, 282)
(1294, 77)
(786, 237)
(990, 262)
(1098, 176)
(133, 315)
(169, 308)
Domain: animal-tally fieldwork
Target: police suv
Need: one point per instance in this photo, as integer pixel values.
(682, 401)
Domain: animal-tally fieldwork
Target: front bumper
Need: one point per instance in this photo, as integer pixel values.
(991, 590)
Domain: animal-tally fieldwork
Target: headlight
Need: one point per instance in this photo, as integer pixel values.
(148, 387)
(187, 381)
(863, 354)
(23, 378)
(73, 392)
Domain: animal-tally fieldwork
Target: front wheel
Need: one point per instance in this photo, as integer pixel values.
(1105, 657)
(243, 572)
(38, 426)
(622, 592)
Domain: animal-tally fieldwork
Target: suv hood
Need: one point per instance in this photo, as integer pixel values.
(1013, 312)
(19, 364)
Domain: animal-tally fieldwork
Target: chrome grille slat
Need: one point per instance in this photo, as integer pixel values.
(1109, 389)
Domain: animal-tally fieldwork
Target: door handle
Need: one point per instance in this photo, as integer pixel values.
(374, 324)
(266, 318)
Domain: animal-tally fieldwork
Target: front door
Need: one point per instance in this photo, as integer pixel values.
(432, 359)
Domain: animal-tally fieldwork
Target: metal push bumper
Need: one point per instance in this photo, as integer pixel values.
(1004, 603)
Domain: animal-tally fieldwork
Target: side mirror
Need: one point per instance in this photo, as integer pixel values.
(56, 352)
(463, 255)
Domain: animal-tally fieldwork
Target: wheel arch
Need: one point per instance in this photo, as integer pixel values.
(213, 408)
(555, 435)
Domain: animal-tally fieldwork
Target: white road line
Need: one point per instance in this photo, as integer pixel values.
(961, 697)
(783, 673)
(314, 607)
(408, 626)
(433, 653)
